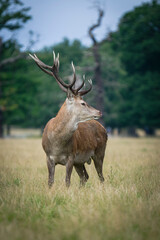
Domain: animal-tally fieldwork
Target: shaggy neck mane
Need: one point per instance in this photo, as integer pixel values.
(65, 124)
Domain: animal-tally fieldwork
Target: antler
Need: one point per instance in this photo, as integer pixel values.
(53, 71)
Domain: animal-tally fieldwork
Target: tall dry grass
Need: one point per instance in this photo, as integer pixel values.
(126, 206)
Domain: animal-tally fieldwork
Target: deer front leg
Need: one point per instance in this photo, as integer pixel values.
(69, 168)
(51, 171)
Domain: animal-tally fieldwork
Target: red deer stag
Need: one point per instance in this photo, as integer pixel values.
(73, 137)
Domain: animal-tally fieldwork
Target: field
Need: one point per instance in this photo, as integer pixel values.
(125, 207)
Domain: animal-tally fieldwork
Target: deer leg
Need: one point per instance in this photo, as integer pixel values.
(69, 168)
(85, 173)
(51, 171)
(98, 162)
(81, 170)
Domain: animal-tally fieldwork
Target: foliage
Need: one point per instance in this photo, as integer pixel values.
(30, 97)
(12, 14)
(14, 98)
(130, 71)
(137, 40)
(112, 73)
(140, 105)
(18, 94)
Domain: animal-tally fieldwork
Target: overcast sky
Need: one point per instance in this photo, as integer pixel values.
(55, 19)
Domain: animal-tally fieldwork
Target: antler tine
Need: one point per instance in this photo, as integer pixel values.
(31, 56)
(57, 59)
(50, 73)
(44, 70)
(36, 59)
(73, 68)
(82, 84)
(74, 76)
(40, 66)
(54, 57)
(56, 62)
(88, 90)
(54, 72)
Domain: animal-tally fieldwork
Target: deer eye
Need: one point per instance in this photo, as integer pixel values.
(83, 104)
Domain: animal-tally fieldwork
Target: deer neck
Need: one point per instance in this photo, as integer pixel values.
(65, 124)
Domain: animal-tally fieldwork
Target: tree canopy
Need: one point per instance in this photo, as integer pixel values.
(12, 17)
(12, 14)
(138, 42)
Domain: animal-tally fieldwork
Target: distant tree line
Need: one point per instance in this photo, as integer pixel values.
(130, 70)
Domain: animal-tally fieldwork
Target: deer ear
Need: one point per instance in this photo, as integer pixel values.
(70, 95)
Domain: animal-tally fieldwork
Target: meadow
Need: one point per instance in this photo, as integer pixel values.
(125, 207)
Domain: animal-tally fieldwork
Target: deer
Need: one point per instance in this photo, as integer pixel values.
(74, 137)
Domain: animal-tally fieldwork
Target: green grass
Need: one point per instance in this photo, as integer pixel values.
(126, 206)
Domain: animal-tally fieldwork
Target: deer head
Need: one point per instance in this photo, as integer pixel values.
(74, 103)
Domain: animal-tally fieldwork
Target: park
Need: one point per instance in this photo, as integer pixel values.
(97, 113)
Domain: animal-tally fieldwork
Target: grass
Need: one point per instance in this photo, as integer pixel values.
(126, 206)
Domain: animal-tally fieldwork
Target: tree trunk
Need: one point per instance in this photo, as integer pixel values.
(97, 69)
(1, 111)
(99, 82)
(8, 130)
(149, 131)
(1, 124)
(132, 132)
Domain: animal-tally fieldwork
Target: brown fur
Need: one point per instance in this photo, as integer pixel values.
(74, 145)
(89, 136)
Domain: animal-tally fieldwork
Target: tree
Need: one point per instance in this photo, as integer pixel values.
(112, 73)
(12, 20)
(138, 37)
(10, 51)
(97, 65)
(138, 40)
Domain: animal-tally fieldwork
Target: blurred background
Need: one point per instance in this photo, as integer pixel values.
(115, 43)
